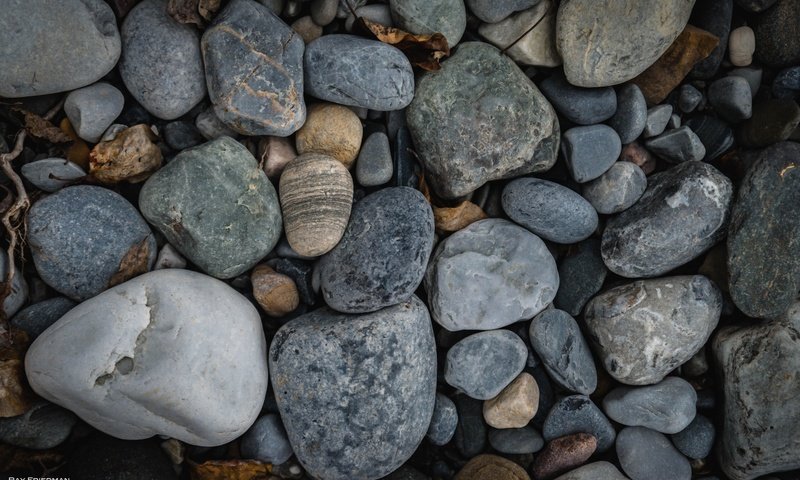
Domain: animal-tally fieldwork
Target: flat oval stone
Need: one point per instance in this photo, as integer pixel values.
(482, 364)
(584, 106)
(425, 17)
(50, 47)
(557, 339)
(645, 454)
(577, 414)
(683, 212)
(443, 422)
(51, 174)
(590, 151)
(489, 275)
(617, 189)
(374, 166)
(171, 352)
(358, 72)
(479, 119)
(666, 407)
(38, 317)
(388, 404)
(646, 329)
(381, 258)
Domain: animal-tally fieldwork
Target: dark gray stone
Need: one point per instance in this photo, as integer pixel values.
(689, 98)
(388, 381)
(657, 120)
(479, 119)
(697, 439)
(716, 135)
(484, 363)
(752, 75)
(85, 239)
(666, 407)
(491, 11)
(581, 274)
(93, 109)
(470, 436)
(374, 165)
(755, 5)
(181, 135)
(731, 98)
(590, 151)
(778, 34)
(713, 16)
(43, 426)
(516, 441)
(425, 17)
(594, 471)
(382, 255)
(787, 83)
(683, 212)
(584, 106)
(773, 121)
(557, 339)
(677, 145)
(577, 414)
(52, 174)
(645, 454)
(617, 189)
(35, 318)
(105, 458)
(406, 473)
(443, 422)
(631, 116)
(266, 441)
(406, 169)
(301, 273)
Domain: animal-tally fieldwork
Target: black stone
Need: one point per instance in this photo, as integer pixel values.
(581, 274)
(577, 414)
(715, 134)
(778, 34)
(106, 458)
(713, 16)
(301, 273)
(470, 437)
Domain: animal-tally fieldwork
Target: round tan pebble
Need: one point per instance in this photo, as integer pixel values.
(333, 130)
(274, 153)
(741, 45)
(275, 292)
(515, 405)
(491, 467)
(316, 194)
(562, 454)
(307, 29)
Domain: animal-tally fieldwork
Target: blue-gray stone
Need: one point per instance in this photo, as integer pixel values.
(374, 165)
(484, 363)
(590, 151)
(19, 288)
(731, 98)
(657, 120)
(713, 16)
(406, 169)
(631, 116)
(266, 441)
(689, 98)
(787, 83)
(645, 454)
(666, 407)
(581, 274)
(470, 436)
(677, 145)
(43, 426)
(778, 34)
(617, 189)
(584, 106)
(752, 75)
(755, 5)
(716, 135)
(577, 414)
(93, 109)
(426, 17)
(301, 273)
(516, 441)
(51, 174)
(443, 422)
(557, 339)
(697, 439)
(35, 319)
(491, 11)
(181, 135)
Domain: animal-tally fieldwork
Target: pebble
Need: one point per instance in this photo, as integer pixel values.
(307, 29)
(773, 121)
(491, 466)
(515, 405)
(529, 35)
(181, 135)
(169, 257)
(425, 17)
(381, 258)
(323, 12)
(85, 239)
(492, 12)
(100, 455)
(667, 406)
(266, 441)
(251, 55)
(275, 292)
(677, 145)
(358, 72)
(516, 441)
(644, 330)
(787, 83)
(631, 115)
(389, 404)
(443, 422)
(674, 121)
(407, 473)
(645, 454)
(274, 153)
(36, 318)
(489, 275)
(215, 205)
(332, 130)
(778, 34)
(716, 135)
(683, 212)
(301, 273)
(741, 46)
(697, 439)
(161, 63)
(697, 365)
(657, 120)
(594, 471)
(731, 98)
(577, 414)
(551, 211)
(91, 110)
(689, 98)
(590, 151)
(581, 273)
(52, 174)
(562, 454)
(374, 166)
(557, 339)
(479, 119)
(146, 335)
(715, 17)
(211, 127)
(617, 189)
(42, 427)
(51, 48)
(639, 156)
(484, 363)
(378, 13)
(752, 75)
(470, 436)
(755, 5)
(131, 156)
(587, 106)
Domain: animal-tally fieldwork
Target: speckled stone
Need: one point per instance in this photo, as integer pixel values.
(557, 339)
(584, 106)
(577, 414)
(491, 466)
(617, 189)
(389, 405)
(491, 11)
(590, 151)
(697, 439)
(443, 422)
(482, 364)
(646, 454)
(448, 17)
(666, 407)
(581, 273)
(631, 116)
(52, 174)
(36, 318)
(778, 34)
(516, 441)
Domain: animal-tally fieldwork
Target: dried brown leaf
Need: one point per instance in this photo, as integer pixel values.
(185, 11)
(15, 395)
(38, 127)
(453, 219)
(424, 51)
(230, 470)
(12, 458)
(131, 156)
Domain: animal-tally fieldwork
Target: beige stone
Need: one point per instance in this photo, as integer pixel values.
(307, 29)
(275, 153)
(332, 130)
(515, 406)
(131, 156)
(537, 47)
(275, 292)
(741, 45)
(491, 467)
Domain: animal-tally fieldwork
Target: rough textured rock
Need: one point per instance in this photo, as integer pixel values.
(491, 466)
(646, 454)
(577, 414)
(529, 35)
(484, 363)
(448, 17)
(91, 110)
(778, 34)
(266, 441)
(43, 426)
(443, 422)
(581, 273)
(557, 339)
(645, 329)
(617, 189)
(131, 156)
(666, 407)
(594, 471)
(584, 106)
(490, 11)
(389, 404)
(478, 119)
(515, 405)
(171, 332)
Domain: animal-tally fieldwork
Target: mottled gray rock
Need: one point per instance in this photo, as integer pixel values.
(19, 288)
(484, 363)
(617, 189)
(697, 439)
(266, 441)
(657, 120)
(646, 329)
(216, 206)
(631, 117)
(448, 17)
(36, 318)
(211, 127)
(581, 274)
(48, 47)
(254, 70)
(43, 426)
(528, 37)
(590, 151)
(584, 106)
(374, 165)
(491, 11)
(443, 422)
(181, 135)
(551, 211)
(683, 212)
(666, 407)
(559, 343)
(645, 454)
(731, 98)
(358, 72)
(594, 471)
(516, 441)
(91, 110)
(161, 62)
(51, 174)
(382, 255)
(171, 352)
(388, 381)
(478, 119)
(323, 12)
(577, 414)
(689, 98)
(489, 275)
(85, 239)
(677, 145)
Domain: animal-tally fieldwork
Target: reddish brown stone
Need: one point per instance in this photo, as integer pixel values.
(637, 154)
(562, 454)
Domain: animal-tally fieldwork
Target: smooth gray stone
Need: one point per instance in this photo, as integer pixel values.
(484, 363)
(266, 441)
(254, 70)
(181, 135)
(479, 119)
(590, 151)
(557, 339)
(594, 471)
(443, 422)
(489, 275)
(276, 6)
(516, 441)
(91, 110)
(689, 98)
(425, 17)
(374, 165)
(644, 330)
(731, 98)
(491, 11)
(101, 457)
(577, 414)
(617, 189)
(678, 145)
(215, 206)
(161, 62)
(49, 47)
(43, 426)
(584, 106)
(684, 211)
(581, 274)
(211, 127)
(716, 135)
(674, 121)
(52, 174)
(374, 399)
(752, 75)
(358, 72)
(323, 12)
(715, 17)
(666, 407)
(381, 258)
(36, 318)
(697, 439)
(551, 211)
(378, 13)
(631, 117)
(645, 454)
(657, 120)
(85, 239)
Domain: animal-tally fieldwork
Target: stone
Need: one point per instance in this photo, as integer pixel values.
(638, 155)
(594, 471)
(657, 120)
(752, 75)
(696, 440)
(406, 472)
(562, 454)
(161, 63)
(741, 46)
(549, 210)
(617, 189)
(631, 116)
(493, 12)
(358, 72)
(307, 29)
(689, 98)
(666, 407)
(211, 127)
(581, 273)
(93, 109)
(590, 151)
(153, 334)
(787, 83)
(529, 35)
(557, 339)
(584, 106)
(491, 466)
(381, 258)
(646, 454)
(374, 166)
(731, 98)
(85, 239)
(778, 34)
(332, 130)
(254, 70)
(94, 458)
(489, 275)
(51, 48)
(470, 436)
(36, 318)
(715, 17)
(479, 119)
(389, 405)
(168, 257)
(516, 441)
(275, 153)
(275, 292)
(773, 121)
(378, 13)
(677, 145)
(577, 414)
(515, 405)
(683, 212)
(180, 135)
(425, 17)
(266, 441)
(216, 206)
(131, 156)
(619, 44)
(52, 174)
(443, 422)
(42, 427)
(484, 363)
(301, 273)
(644, 330)
(323, 12)
(674, 121)
(755, 5)
(716, 135)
